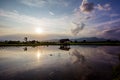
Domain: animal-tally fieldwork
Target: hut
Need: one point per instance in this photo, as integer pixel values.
(64, 41)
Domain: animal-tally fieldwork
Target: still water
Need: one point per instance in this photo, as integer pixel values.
(58, 63)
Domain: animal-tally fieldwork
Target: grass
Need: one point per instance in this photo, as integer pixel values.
(55, 43)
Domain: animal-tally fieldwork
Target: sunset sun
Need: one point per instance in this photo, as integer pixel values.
(38, 30)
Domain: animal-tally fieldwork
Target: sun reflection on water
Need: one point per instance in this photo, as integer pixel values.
(38, 54)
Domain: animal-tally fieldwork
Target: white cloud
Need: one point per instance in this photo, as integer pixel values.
(107, 23)
(51, 13)
(50, 24)
(35, 3)
(114, 15)
(86, 7)
(79, 17)
(98, 29)
(105, 7)
(41, 3)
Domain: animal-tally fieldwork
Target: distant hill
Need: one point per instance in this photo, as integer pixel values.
(90, 39)
(52, 40)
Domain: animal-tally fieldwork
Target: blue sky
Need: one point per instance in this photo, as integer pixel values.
(59, 19)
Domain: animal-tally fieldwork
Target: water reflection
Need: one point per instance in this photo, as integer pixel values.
(38, 54)
(65, 47)
(79, 57)
(53, 63)
(119, 57)
(25, 48)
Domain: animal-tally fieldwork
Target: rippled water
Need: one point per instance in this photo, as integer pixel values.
(58, 63)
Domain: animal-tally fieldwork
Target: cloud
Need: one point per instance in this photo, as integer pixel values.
(101, 30)
(79, 57)
(41, 3)
(51, 13)
(86, 7)
(78, 28)
(20, 18)
(108, 29)
(95, 29)
(88, 17)
(114, 15)
(35, 3)
(105, 7)
(80, 19)
(48, 24)
(112, 33)
(107, 23)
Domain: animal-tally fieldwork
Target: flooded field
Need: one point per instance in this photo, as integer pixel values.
(58, 62)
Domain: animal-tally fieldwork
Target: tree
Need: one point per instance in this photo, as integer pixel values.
(84, 40)
(25, 38)
(75, 41)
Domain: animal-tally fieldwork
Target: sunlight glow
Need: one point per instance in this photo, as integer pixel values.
(38, 30)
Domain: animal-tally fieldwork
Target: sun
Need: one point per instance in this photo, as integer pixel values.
(38, 30)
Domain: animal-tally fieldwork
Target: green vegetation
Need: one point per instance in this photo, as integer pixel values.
(60, 42)
(96, 43)
(37, 43)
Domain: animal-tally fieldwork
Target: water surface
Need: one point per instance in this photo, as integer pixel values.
(58, 63)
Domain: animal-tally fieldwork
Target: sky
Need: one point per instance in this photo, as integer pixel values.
(56, 19)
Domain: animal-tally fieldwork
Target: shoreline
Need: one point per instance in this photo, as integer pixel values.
(99, 44)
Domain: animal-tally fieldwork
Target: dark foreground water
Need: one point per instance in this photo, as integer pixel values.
(58, 63)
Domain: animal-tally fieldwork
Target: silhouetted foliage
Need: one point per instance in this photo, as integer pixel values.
(65, 41)
(13, 42)
(108, 40)
(61, 42)
(25, 38)
(76, 41)
(84, 40)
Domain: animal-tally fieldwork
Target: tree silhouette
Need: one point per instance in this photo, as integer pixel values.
(84, 40)
(25, 38)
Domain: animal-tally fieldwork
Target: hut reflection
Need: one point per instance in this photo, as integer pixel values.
(65, 47)
(25, 48)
